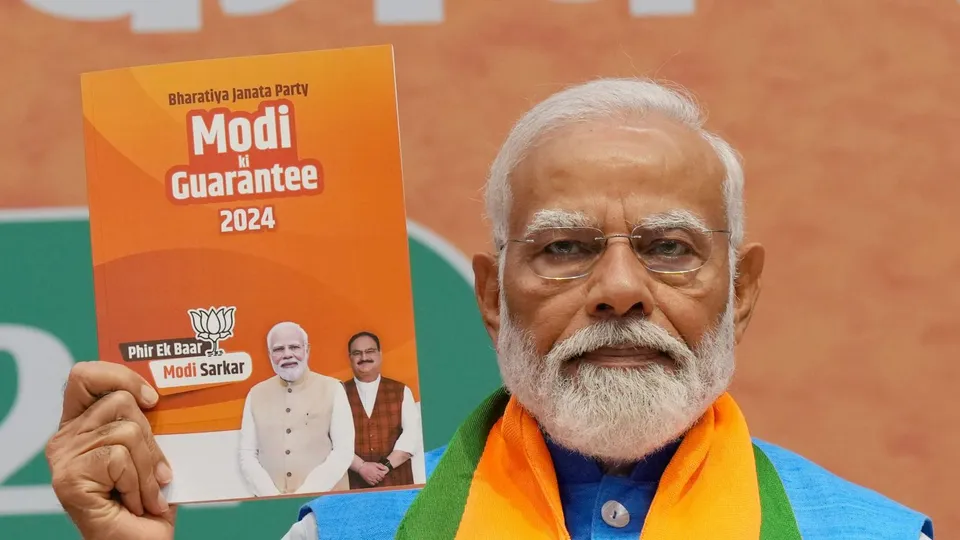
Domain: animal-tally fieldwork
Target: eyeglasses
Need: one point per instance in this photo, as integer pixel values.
(571, 252)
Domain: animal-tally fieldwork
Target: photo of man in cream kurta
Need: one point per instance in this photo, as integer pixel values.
(297, 433)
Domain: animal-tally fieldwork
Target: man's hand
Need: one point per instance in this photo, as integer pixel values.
(372, 473)
(106, 467)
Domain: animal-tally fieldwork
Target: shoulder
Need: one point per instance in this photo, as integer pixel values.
(827, 506)
(261, 386)
(348, 517)
(325, 380)
(266, 383)
(432, 457)
(392, 383)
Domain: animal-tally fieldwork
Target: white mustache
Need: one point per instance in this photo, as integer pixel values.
(634, 332)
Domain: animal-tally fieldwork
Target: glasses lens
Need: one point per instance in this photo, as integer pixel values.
(671, 250)
(564, 252)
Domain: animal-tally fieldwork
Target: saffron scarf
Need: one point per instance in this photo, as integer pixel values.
(496, 477)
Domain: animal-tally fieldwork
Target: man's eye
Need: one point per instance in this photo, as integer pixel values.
(566, 247)
(670, 248)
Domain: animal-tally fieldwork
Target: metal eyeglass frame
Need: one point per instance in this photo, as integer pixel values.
(606, 238)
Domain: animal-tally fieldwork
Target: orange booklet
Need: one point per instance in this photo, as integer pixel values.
(251, 261)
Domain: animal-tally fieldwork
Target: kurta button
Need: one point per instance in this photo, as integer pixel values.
(289, 475)
(289, 390)
(615, 514)
(288, 452)
(288, 409)
(288, 430)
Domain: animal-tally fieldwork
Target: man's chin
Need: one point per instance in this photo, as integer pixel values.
(614, 431)
(291, 374)
(616, 444)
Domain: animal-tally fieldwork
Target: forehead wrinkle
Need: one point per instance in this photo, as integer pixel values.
(664, 161)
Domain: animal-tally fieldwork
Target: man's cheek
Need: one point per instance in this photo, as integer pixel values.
(689, 326)
(552, 326)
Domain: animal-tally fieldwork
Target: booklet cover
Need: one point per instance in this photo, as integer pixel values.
(250, 260)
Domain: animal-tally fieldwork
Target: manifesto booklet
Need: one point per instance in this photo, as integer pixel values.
(250, 260)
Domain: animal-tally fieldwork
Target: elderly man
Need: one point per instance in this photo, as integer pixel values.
(619, 284)
(297, 432)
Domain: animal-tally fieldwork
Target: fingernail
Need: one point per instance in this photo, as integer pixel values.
(148, 394)
(164, 474)
(162, 501)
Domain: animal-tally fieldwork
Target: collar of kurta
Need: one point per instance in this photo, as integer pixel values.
(497, 478)
(297, 383)
(366, 384)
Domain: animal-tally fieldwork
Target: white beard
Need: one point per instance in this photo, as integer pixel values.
(290, 374)
(613, 414)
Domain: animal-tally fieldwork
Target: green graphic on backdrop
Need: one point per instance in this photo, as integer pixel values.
(47, 323)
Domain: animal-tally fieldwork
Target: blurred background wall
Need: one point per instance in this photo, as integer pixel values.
(845, 112)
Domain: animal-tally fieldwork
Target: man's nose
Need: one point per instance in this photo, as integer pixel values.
(620, 285)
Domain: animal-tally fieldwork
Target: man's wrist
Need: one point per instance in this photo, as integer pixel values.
(386, 463)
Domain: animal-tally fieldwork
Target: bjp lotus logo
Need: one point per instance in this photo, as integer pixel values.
(213, 326)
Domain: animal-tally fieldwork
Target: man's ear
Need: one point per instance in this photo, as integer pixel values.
(487, 290)
(747, 286)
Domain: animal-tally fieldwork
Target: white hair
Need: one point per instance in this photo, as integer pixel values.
(286, 324)
(612, 99)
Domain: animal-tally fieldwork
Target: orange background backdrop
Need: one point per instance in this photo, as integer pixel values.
(336, 263)
(845, 111)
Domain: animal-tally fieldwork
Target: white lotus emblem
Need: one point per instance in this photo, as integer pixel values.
(212, 325)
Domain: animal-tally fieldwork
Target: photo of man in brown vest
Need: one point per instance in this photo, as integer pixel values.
(385, 416)
(297, 431)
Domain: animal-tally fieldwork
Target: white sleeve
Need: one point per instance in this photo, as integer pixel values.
(256, 477)
(327, 474)
(409, 440)
(925, 537)
(305, 529)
